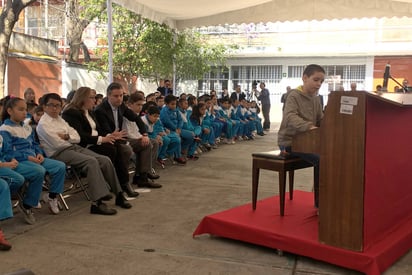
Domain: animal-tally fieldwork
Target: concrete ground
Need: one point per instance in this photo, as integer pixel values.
(155, 236)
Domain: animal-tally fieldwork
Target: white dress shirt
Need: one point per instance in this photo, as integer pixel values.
(48, 130)
(131, 128)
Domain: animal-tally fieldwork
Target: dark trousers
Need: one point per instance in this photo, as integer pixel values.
(314, 160)
(266, 116)
(119, 154)
(143, 156)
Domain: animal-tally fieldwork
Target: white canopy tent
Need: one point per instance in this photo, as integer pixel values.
(182, 14)
(190, 13)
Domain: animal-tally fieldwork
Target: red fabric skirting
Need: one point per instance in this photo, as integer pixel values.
(297, 232)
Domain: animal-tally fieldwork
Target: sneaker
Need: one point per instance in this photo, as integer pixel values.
(207, 146)
(38, 206)
(161, 162)
(4, 244)
(180, 160)
(28, 214)
(53, 204)
(214, 146)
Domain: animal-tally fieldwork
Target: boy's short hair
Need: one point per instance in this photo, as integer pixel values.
(153, 110)
(313, 68)
(38, 109)
(170, 98)
(225, 100)
(181, 100)
(49, 96)
(31, 106)
(135, 97)
(159, 98)
(150, 95)
(147, 105)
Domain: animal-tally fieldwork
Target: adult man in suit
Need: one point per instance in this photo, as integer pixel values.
(110, 114)
(237, 94)
(264, 98)
(166, 89)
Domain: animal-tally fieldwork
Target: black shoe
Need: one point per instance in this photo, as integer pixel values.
(153, 176)
(193, 157)
(129, 191)
(149, 184)
(107, 197)
(122, 202)
(102, 209)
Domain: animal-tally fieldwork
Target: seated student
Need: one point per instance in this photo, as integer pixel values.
(79, 116)
(30, 110)
(245, 116)
(19, 144)
(172, 121)
(254, 109)
(303, 112)
(160, 102)
(145, 150)
(37, 114)
(6, 211)
(237, 117)
(60, 141)
(99, 99)
(191, 101)
(190, 135)
(15, 181)
(10, 183)
(197, 119)
(211, 116)
(169, 145)
(230, 127)
(151, 97)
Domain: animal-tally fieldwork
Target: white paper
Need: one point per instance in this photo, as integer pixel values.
(346, 109)
(349, 100)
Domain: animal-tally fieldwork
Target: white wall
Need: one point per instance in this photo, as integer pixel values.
(74, 77)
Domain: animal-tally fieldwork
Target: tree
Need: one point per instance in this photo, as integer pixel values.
(79, 15)
(8, 18)
(149, 50)
(195, 55)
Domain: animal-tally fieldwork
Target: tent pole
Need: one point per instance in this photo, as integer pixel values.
(110, 38)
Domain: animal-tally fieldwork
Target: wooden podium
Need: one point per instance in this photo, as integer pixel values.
(365, 148)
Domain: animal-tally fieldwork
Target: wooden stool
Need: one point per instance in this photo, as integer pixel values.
(274, 161)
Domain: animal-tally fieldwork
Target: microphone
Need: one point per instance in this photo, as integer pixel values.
(386, 77)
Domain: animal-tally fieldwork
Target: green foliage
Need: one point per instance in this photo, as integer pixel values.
(149, 50)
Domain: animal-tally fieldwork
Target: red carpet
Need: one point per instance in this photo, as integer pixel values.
(297, 232)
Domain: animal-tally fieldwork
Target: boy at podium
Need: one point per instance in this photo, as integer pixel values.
(303, 112)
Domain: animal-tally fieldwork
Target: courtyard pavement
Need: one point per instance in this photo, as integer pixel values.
(155, 236)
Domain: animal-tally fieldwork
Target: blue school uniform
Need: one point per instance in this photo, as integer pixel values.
(19, 143)
(188, 134)
(175, 145)
(10, 182)
(172, 143)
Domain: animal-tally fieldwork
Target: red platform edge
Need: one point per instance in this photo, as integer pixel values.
(297, 233)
